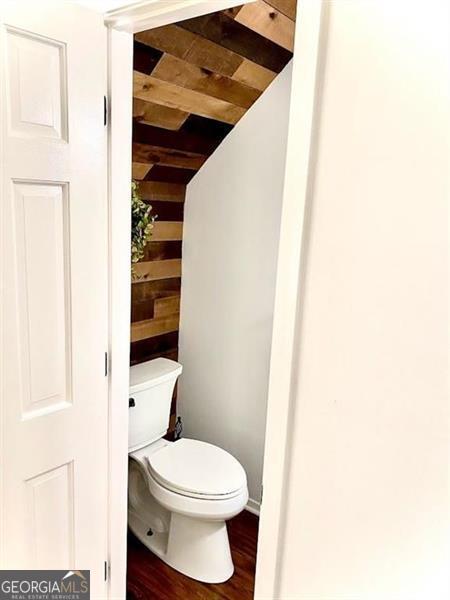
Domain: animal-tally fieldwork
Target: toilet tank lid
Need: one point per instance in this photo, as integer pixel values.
(153, 372)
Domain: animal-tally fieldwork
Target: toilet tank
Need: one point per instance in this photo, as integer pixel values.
(151, 389)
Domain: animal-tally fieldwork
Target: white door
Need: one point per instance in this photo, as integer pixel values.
(54, 287)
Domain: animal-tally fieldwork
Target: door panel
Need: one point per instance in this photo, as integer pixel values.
(36, 85)
(54, 398)
(50, 503)
(42, 252)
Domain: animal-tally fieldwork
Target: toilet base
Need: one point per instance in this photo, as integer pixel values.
(195, 547)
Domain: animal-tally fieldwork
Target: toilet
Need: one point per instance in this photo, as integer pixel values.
(181, 493)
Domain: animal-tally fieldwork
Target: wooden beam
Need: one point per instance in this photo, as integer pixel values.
(140, 170)
(160, 345)
(145, 58)
(192, 48)
(141, 311)
(254, 75)
(172, 174)
(181, 140)
(181, 73)
(150, 290)
(142, 330)
(156, 155)
(238, 38)
(157, 269)
(163, 250)
(171, 39)
(233, 11)
(158, 115)
(207, 55)
(159, 190)
(168, 211)
(209, 129)
(268, 22)
(167, 231)
(167, 306)
(173, 96)
(287, 7)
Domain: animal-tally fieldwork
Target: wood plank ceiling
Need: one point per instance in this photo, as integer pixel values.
(193, 81)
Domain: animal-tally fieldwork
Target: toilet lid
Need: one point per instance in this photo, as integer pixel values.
(193, 467)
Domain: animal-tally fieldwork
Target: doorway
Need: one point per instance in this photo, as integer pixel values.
(205, 91)
(285, 330)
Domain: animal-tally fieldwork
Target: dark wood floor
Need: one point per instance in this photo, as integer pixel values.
(149, 578)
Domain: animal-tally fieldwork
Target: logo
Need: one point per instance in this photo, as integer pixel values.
(44, 585)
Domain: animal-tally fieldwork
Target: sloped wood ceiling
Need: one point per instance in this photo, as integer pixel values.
(193, 81)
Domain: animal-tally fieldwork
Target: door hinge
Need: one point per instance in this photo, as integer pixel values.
(106, 364)
(106, 571)
(105, 111)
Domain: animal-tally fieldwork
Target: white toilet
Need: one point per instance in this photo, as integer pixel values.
(180, 493)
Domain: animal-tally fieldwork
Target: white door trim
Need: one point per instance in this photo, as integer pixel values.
(288, 295)
(120, 83)
(156, 13)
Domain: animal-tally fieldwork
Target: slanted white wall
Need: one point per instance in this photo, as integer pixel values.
(230, 242)
(367, 512)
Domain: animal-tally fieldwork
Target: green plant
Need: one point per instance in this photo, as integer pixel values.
(141, 225)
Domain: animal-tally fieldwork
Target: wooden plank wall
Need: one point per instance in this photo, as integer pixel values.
(193, 81)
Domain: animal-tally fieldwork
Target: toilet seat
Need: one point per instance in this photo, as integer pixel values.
(197, 470)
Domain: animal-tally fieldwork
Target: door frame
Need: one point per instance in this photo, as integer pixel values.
(149, 14)
(122, 23)
(294, 230)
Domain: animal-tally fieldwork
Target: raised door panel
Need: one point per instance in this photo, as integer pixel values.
(51, 518)
(37, 94)
(42, 247)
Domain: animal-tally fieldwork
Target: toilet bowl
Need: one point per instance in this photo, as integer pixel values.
(180, 493)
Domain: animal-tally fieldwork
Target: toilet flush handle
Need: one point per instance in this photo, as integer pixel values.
(131, 403)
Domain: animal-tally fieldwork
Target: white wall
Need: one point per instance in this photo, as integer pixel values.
(230, 241)
(367, 511)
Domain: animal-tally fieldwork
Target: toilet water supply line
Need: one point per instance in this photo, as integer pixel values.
(178, 429)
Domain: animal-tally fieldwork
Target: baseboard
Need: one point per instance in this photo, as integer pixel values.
(253, 507)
